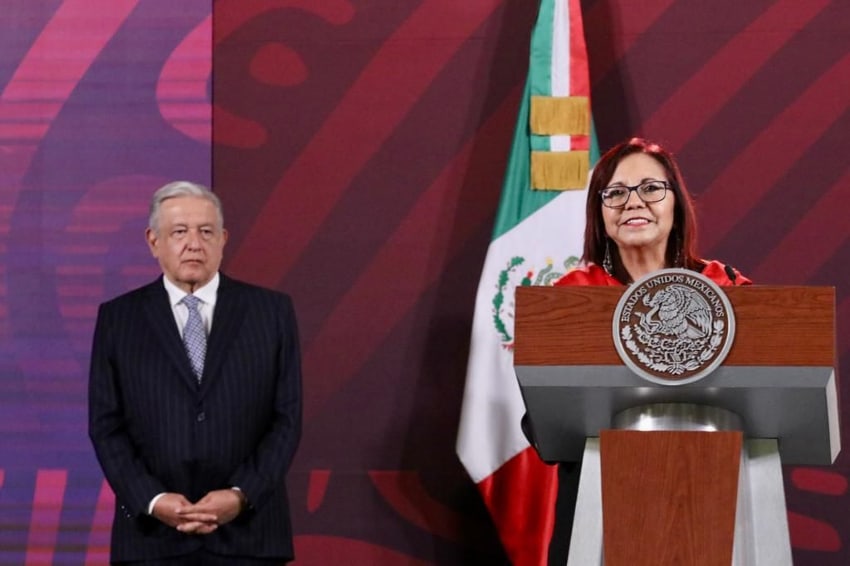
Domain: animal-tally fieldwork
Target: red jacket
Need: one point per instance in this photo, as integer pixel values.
(592, 274)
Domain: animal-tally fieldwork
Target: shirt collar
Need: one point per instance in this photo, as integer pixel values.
(207, 293)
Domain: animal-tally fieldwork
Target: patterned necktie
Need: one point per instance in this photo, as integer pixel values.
(194, 335)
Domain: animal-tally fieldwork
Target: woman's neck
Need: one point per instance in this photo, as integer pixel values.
(642, 261)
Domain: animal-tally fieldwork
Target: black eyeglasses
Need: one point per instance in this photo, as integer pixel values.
(649, 191)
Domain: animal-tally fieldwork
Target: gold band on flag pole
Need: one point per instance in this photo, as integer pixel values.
(559, 170)
(560, 115)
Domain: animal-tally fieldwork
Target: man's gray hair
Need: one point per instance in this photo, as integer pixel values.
(182, 189)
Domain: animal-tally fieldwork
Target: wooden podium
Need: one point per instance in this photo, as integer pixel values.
(683, 474)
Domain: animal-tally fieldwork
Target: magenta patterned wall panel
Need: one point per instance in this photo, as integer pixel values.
(94, 114)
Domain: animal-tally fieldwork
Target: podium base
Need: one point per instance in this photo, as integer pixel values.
(761, 522)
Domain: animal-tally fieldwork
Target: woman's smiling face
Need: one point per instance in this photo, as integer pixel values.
(638, 224)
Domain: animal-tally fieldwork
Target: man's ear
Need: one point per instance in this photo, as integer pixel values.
(151, 238)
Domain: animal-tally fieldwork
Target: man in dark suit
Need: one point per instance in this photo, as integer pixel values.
(195, 401)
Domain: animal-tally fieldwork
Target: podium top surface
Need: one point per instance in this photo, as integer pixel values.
(779, 375)
(776, 326)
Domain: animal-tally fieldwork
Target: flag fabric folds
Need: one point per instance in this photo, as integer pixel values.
(537, 237)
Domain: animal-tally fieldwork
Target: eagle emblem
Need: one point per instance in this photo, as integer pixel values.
(677, 311)
(673, 327)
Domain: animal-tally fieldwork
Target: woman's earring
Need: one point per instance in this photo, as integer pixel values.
(606, 261)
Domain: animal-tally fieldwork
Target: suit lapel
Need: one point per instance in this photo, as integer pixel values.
(161, 318)
(227, 319)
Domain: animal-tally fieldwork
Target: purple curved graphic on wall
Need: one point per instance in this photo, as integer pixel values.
(83, 142)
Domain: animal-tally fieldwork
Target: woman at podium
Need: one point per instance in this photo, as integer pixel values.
(639, 219)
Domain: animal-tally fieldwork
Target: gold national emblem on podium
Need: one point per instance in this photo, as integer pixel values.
(673, 327)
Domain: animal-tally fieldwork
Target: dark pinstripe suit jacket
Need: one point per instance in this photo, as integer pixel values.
(155, 430)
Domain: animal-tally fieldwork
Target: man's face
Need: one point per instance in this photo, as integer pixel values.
(188, 242)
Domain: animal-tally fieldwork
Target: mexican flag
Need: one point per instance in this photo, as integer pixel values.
(538, 237)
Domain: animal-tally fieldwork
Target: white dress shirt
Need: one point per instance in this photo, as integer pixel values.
(207, 294)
